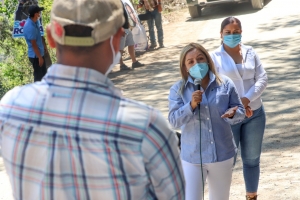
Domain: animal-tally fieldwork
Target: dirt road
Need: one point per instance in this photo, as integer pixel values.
(274, 32)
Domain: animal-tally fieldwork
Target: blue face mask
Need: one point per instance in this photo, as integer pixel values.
(199, 70)
(232, 40)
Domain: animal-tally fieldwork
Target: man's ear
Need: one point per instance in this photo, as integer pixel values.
(117, 39)
(50, 39)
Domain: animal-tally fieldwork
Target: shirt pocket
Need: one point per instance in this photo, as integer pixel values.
(222, 101)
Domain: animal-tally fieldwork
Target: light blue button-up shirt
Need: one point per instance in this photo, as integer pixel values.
(32, 32)
(217, 142)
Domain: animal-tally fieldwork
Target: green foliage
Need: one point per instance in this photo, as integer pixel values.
(135, 1)
(15, 68)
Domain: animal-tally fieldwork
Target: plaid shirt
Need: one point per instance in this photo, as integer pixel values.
(73, 136)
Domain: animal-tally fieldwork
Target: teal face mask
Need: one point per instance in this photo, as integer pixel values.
(232, 40)
(199, 70)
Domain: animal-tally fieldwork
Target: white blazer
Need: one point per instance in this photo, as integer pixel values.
(254, 78)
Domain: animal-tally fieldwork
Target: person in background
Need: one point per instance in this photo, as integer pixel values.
(73, 135)
(153, 9)
(36, 48)
(19, 14)
(133, 19)
(127, 40)
(243, 66)
(204, 116)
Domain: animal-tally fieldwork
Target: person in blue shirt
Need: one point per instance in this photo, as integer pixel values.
(204, 116)
(33, 39)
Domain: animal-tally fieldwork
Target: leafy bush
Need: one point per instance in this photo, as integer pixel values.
(15, 68)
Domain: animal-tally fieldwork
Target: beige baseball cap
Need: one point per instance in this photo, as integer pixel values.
(105, 17)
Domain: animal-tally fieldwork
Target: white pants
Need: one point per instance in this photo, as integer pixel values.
(218, 177)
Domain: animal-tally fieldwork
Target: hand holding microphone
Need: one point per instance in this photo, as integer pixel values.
(196, 98)
(197, 95)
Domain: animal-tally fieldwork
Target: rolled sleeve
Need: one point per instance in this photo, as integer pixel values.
(162, 160)
(179, 113)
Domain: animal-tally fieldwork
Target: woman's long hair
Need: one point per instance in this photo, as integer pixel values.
(183, 70)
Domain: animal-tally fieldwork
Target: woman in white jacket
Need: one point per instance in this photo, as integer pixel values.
(242, 65)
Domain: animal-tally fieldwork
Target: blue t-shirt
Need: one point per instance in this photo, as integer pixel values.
(32, 32)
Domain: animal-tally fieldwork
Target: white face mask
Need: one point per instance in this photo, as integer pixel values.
(116, 58)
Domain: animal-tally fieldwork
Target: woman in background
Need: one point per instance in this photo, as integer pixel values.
(242, 65)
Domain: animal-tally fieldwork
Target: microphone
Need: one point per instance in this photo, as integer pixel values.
(197, 82)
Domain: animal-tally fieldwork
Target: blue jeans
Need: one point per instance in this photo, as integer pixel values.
(155, 18)
(249, 134)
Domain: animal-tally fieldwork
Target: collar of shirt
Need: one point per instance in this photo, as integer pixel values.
(245, 50)
(79, 77)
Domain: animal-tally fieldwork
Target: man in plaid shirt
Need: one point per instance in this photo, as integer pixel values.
(153, 10)
(73, 135)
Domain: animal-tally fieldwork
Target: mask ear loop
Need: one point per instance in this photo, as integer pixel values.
(112, 47)
(114, 59)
